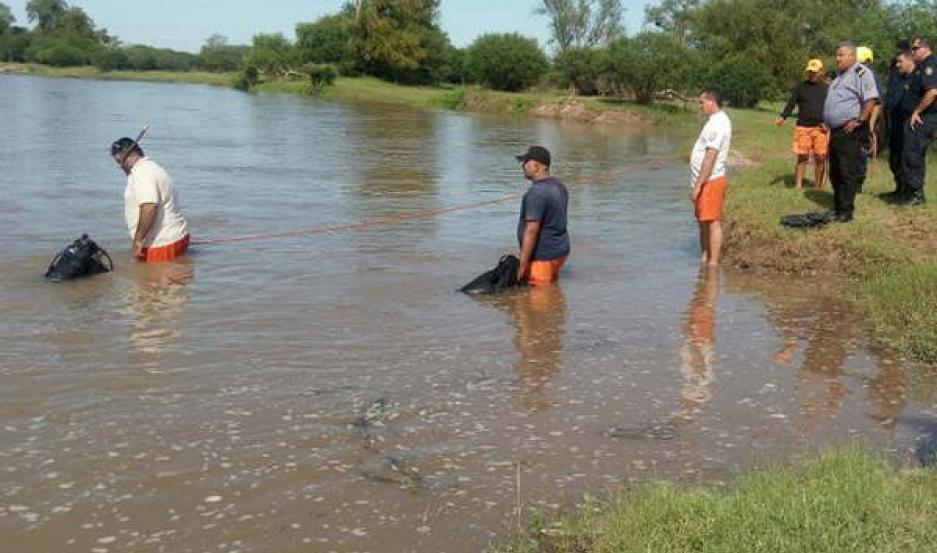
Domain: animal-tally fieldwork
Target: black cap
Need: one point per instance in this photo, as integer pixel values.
(536, 153)
(124, 146)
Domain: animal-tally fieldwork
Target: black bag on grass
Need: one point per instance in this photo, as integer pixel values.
(500, 278)
(806, 220)
(82, 258)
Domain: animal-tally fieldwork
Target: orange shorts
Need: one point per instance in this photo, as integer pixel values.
(811, 140)
(167, 252)
(545, 272)
(711, 198)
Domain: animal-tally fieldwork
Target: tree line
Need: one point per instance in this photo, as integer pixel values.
(751, 49)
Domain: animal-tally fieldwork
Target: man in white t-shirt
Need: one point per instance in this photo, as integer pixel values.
(708, 181)
(158, 230)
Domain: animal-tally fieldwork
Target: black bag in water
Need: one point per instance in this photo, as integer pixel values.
(82, 258)
(806, 220)
(500, 278)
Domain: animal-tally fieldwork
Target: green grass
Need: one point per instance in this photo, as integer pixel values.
(87, 72)
(845, 501)
(885, 258)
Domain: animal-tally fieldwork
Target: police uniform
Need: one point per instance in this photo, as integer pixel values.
(896, 114)
(917, 139)
(848, 93)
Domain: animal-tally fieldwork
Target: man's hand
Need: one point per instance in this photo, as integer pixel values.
(523, 272)
(779, 121)
(136, 249)
(694, 193)
(916, 120)
(851, 126)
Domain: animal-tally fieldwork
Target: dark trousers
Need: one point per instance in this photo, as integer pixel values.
(896, 120)
(846, 168)
(915, 150)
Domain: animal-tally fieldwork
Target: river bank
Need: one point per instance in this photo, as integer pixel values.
(842, 501)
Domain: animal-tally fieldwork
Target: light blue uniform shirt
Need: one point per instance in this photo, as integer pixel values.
(852, 88)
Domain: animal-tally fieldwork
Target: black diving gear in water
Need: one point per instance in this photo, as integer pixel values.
(500, 278)
(82, 258)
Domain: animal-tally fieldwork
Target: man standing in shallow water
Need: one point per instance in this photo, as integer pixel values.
(708, 175)
(158, 231)
(541, 227)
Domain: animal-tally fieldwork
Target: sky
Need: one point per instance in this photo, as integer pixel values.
(185, 24)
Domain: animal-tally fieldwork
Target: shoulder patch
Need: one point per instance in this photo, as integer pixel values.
(929, 71)
(862, 70)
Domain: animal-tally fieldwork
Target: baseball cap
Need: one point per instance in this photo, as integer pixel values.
(864, 54)
(536, 153)
(815, 66)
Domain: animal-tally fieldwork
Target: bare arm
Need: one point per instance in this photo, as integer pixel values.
(709, 162)
(528, 245)
(145, 222)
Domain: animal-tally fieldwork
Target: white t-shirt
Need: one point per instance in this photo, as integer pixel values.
(148, 183)
(717, 134)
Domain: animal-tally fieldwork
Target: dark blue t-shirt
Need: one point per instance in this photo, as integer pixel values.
(546, 201)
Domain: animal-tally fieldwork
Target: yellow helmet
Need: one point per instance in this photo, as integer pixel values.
(864, 54)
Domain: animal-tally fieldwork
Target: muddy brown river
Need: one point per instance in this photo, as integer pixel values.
(332, 391)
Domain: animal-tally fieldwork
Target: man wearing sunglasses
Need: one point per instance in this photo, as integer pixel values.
(922, 124)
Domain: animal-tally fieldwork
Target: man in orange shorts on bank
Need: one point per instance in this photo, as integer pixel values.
(708, 174)
(158, 230)
(811, 135)
(541, 228)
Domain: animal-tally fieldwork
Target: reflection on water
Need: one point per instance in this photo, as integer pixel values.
(699, 345)
(538, 315)
(157, 300)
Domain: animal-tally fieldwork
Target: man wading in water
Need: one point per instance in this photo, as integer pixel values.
(541, 228)
(158, 230)
(708, 175)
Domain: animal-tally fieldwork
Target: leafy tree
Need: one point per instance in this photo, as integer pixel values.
(6, 18)
(674, 17)
(217, 55)
(58, 53)
(742, 80)
(399, 40)
(14, 43)
(505, 61)
(270, 53)
(581, 69)
(45, 13)
(582, 23)
(647, 64)
(327, 40)
(111, 59)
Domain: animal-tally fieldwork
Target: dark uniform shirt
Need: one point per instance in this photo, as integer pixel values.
(897, 86)
(809, 98)
(924, 79)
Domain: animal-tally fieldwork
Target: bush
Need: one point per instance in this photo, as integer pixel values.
(742, 80)
(321, 75)
(247, 78)
(580, 69)
(111, 59)
(58, 54)
(648, 64)
(505, 61)
(328, 40)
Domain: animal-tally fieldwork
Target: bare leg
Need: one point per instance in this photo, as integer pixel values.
(799, 169)
(715, 242)
(704, 242)
(819, 170)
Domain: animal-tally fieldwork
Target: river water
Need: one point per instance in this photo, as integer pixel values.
(333, 391)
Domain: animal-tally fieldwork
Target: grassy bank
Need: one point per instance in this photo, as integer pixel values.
(843, 501)
(886, 259)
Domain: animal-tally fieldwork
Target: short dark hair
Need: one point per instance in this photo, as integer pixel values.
(906, 52)
(126, 146)
(713, 94)
(923, 41)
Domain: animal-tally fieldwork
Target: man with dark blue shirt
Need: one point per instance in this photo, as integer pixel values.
(922, 124)
(541, 227)
(898, 107)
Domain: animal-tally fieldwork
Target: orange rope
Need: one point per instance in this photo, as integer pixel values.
(391, 219)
